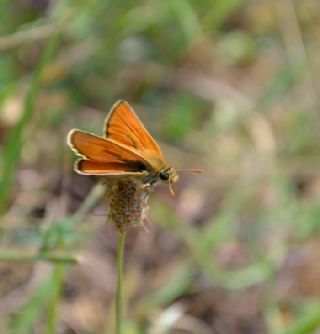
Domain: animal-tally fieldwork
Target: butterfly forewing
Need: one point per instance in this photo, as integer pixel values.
(124, 126)
(104, 156)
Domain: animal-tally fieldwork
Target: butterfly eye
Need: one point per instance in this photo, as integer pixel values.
(164, 176)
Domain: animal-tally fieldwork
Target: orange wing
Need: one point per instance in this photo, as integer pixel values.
(90, 167)
(104, 156)
(124, 126)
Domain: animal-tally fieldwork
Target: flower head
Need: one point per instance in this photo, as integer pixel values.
(127, 202)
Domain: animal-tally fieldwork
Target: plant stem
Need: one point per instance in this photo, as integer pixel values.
(52, 321)
(25, 256)
(119, 296)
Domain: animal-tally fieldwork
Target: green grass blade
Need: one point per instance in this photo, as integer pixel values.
(12, 150)
(52, 321)
(308, 323)
(176, 286)
(23, 321)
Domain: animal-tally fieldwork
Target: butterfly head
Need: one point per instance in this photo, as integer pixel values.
(169, 176)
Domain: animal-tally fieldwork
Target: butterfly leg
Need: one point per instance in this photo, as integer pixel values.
(149, 182)
(146, 186)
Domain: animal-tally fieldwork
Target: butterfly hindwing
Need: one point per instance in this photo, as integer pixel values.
(91, 167)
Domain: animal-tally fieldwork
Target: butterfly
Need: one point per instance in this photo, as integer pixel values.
(126, 149)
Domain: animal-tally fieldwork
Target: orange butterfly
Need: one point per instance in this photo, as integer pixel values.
(126, 150)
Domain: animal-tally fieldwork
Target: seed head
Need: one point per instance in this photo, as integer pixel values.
(127, 202)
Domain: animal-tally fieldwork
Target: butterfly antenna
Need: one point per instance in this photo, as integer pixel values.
(171, 190)
(189, 170)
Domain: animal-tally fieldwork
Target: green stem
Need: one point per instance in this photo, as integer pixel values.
(24, 256)
(119, 295)
(52, 321)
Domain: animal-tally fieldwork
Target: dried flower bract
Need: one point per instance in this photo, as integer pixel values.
(127, 199)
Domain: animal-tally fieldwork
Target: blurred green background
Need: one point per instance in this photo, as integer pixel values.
(228, 86)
